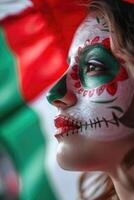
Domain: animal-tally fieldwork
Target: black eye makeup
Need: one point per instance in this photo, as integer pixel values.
(94, 68)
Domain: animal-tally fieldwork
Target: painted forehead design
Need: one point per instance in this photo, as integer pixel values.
(91, 28)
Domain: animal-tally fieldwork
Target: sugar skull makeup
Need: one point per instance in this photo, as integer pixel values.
(101, 84)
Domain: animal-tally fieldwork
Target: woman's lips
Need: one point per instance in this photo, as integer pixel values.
(64, 125)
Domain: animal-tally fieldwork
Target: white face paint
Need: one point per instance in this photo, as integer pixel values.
(101, 83)
(104, 109)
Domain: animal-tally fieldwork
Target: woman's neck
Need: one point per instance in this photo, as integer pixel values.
(123, 176)
(123, 192)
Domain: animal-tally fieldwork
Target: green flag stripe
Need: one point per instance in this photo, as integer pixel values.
(20, 131)
(10, 96)
(22, 136)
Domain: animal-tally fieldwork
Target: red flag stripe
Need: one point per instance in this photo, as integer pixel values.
(40, 38)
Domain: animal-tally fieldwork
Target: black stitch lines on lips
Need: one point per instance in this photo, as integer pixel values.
(96, 123)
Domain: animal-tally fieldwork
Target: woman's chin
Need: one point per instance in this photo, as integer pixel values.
(64, 158)
(71, 156)
(67, 164)
(63, 164)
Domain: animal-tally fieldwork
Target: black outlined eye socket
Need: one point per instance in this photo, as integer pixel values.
(94, 68)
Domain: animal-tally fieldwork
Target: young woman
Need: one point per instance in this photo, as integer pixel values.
(95, 98)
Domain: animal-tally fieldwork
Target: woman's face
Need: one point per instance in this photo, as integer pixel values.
(95, 100)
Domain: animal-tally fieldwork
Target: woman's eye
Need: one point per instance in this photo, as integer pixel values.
(93, 68)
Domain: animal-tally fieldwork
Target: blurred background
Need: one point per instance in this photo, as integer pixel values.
(35, 36)
(28, 166)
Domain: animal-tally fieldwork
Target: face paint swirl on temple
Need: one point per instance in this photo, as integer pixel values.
(97, 90)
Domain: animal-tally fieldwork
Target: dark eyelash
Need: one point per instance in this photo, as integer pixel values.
(93, 65)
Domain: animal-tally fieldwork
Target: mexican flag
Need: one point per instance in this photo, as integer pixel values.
(35, 36)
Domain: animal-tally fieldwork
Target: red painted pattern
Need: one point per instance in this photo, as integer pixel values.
(64, 125)
(63, 121)
(111, 87)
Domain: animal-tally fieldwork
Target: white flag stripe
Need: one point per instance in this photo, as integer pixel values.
(12, 7)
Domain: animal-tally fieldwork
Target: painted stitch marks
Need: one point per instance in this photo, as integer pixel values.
(92, 124)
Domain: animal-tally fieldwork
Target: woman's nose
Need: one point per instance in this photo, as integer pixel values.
(61, 96)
